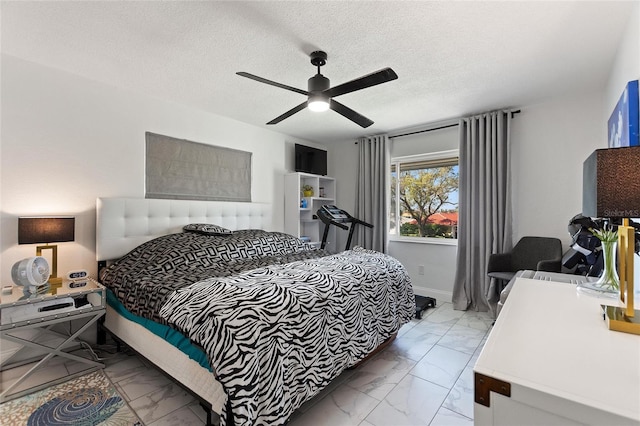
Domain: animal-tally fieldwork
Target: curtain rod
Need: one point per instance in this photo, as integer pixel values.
(513, 113)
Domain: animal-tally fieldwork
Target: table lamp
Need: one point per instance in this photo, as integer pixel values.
(611, 189)
(36, 230)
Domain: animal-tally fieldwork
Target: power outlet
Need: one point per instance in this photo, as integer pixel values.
(420, 269)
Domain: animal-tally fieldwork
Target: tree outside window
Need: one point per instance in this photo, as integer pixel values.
(424, 197)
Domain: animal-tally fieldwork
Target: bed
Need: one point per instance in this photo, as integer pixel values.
(253, 322)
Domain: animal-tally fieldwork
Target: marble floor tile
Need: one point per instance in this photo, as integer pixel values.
(446, 417)
(415, 343)
(155, 405)
(441, 366)
(476, 353)
(379, 375)
(74, 367)
(183, 416)
(121, 392)
(125, 368)
(439, 327)
(413, 402)
(477, 320)
(408, 326)
(344, 406)
(461, 397)
(145, 382)
(110, 359)
(444, 313)
(463, 339)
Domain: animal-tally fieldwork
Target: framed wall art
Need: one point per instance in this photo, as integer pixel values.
(184, 170)
(623, 123)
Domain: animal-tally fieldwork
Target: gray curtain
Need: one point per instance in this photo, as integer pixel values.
(371, 201)
(484, 209)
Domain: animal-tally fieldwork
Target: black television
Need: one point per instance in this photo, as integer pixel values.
(311, 160)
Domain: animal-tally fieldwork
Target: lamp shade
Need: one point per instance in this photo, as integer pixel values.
(611, 183)
(34, 230)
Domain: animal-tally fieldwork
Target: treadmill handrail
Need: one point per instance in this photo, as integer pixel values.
(328, 221)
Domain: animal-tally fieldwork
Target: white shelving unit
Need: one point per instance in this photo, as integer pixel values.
(301, 221)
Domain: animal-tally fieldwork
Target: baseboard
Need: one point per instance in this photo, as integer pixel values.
(440, 295)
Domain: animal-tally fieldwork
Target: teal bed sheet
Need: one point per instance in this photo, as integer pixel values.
(165, 332)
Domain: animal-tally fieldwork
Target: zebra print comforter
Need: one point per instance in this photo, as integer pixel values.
(277, 335)
(144, 277)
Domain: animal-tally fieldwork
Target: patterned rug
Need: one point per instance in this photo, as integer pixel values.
(87, 400)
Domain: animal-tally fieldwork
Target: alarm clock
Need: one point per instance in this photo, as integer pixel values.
(80, 274)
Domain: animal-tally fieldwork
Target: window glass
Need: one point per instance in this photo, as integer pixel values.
(424, 196)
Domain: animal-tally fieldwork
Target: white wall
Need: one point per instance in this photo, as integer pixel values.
(626, 67)
(67, 140)
(550, 141)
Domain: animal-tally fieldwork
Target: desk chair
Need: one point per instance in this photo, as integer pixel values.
(534, 253)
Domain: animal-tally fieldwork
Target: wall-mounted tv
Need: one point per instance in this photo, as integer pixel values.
(311, 160)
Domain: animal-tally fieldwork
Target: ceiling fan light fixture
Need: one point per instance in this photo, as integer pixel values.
(320, 94)
(318, 103)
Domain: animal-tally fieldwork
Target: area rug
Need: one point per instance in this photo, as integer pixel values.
(87, 400)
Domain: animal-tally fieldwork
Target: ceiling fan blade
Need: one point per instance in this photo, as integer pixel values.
(375, 78)
(289, 113)
(347, 112)
(272, 83)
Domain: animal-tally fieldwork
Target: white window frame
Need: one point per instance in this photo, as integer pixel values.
(440, 155)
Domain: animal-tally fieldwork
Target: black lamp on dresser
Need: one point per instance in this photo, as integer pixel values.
(611, 189)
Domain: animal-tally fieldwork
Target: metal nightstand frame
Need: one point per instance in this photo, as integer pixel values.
(91, 314)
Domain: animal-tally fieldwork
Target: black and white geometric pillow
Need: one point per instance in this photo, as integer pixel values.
(207, 229)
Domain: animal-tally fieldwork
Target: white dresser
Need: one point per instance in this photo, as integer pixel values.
(550, 360)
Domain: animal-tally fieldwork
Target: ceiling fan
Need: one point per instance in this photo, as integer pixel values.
(320, 95)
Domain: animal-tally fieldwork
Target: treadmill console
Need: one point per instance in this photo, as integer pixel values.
(335, 213)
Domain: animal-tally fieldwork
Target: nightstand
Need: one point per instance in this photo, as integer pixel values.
(40, 312)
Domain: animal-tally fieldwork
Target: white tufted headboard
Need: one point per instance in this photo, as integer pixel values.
(122, 224)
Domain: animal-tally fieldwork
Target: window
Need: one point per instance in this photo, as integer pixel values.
(424, 197)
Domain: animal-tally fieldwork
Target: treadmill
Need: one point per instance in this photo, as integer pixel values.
(332, 215)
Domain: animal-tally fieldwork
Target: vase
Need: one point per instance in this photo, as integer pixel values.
(609, 281)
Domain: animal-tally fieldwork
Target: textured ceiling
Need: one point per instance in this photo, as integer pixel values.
(452, 58)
